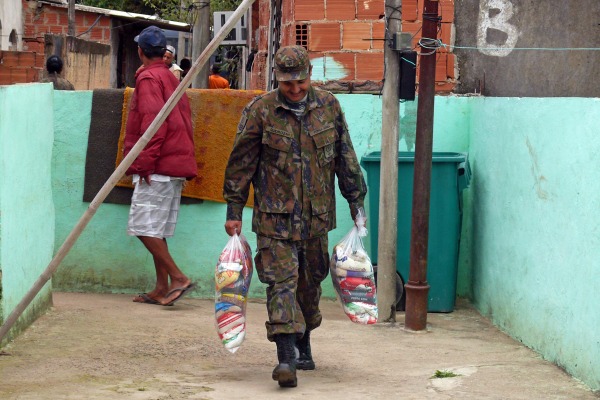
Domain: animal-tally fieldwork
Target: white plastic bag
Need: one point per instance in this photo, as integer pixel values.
(233, 274)
(353, 275)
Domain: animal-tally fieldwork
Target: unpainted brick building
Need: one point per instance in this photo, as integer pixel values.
(345, 40)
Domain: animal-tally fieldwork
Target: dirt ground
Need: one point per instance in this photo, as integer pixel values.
(98, 346)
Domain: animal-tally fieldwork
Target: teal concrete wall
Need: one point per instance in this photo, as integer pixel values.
(529, 242)
(536, 236)
(105, 259)
(26, 207)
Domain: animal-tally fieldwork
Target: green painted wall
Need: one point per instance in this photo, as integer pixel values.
(529, 242)
(536, 236)
(106, 259)
(26, 207)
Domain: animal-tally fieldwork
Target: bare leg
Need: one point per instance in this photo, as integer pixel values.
(162, 280)
(165, 268)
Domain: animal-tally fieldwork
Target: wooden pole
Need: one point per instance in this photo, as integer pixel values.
(71, 18)
(417, 288)
(200, 39)
(388, 187)
(121, 169)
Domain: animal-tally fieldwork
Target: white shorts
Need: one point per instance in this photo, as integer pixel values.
(154, 209)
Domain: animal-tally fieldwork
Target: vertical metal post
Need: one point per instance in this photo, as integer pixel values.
(388, 187)
(417, 288)
(273, 45)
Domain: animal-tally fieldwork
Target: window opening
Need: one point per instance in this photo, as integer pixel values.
(302, 35)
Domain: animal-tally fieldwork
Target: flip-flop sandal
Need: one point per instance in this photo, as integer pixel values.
(182, 290)
(146, 299)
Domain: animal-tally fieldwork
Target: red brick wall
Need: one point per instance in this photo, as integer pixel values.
(260, 41)
(412, 19)
(39, 20)
(340, 30)
(48, 19)
(20, 67)
(344, 32)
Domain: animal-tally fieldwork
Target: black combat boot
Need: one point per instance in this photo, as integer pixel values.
(304, 361)
(285, 372)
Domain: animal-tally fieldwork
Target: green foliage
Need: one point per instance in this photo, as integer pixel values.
(171, 10)
(444, 374)
(224, 5)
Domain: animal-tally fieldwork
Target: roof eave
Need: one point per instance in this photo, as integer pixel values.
(162, 23)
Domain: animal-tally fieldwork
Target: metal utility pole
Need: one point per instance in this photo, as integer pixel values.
(388, 187)
(71, 17)
(200, 39)
(120, 170)
(417, 288)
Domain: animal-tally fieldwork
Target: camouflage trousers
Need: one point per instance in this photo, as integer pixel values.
(293, 272)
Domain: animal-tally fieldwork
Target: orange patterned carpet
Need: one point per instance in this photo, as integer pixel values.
(215, 116)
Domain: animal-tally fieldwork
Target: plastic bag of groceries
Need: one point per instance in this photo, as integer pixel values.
(353, 275)
(232, 281)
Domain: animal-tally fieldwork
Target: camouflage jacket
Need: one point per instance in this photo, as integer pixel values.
(58, 82)
(292, 163)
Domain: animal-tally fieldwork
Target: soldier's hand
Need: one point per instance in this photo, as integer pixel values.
(365, 223)
(232, 227)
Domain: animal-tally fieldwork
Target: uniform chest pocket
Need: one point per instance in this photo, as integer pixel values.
(276, 146)
(325, 139)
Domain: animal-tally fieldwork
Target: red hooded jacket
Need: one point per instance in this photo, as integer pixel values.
(170, 152)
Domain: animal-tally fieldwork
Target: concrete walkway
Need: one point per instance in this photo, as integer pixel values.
(98, 346)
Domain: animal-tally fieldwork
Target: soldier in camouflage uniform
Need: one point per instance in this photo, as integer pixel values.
(291, 143)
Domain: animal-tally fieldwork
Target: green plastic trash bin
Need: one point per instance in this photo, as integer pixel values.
(450, 174)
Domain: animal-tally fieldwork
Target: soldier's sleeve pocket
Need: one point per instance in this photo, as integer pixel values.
(325, 139)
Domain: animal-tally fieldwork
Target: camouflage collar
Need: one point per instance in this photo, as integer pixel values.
(311, 101)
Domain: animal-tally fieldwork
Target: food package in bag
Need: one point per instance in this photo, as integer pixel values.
(353, 275)
(232, 281)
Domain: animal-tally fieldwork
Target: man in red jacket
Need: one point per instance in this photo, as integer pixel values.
(161, 168)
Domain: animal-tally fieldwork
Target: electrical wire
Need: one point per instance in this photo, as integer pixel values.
(523, 48)
(434, 44)
(91, 26)
(408, 61)
(428, 43)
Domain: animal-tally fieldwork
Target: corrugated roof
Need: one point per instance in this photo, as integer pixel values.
(162, 23)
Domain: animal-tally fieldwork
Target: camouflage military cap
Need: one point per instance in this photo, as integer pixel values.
(292, 63)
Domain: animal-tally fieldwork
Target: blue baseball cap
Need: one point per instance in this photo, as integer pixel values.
(151, 37)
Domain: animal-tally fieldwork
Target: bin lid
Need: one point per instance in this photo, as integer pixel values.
(409, 156)
(461, 160)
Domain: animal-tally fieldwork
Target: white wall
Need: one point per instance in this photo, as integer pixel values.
(11, 19)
